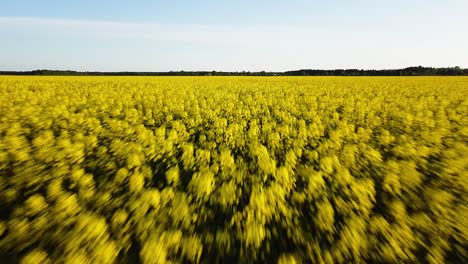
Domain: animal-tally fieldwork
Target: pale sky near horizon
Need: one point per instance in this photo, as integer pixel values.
(143, 35)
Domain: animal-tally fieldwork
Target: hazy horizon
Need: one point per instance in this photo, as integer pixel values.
(232, 36)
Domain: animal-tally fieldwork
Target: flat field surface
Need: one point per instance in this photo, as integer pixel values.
(233, 169)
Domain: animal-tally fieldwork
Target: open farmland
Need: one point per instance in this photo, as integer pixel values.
(233, 169)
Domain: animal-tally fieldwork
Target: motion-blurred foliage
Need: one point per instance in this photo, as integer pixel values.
(233, 169)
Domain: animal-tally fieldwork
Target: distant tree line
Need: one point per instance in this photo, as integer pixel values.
(410, 71)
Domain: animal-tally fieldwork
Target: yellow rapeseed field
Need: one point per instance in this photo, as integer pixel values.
(233, 169)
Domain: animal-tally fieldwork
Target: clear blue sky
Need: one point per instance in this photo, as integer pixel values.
(232, 35)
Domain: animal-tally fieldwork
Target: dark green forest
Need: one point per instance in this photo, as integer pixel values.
(410, 71)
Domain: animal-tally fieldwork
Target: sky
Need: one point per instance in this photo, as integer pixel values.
(231, 35)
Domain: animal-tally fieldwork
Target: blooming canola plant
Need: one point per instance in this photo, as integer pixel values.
(233, 169)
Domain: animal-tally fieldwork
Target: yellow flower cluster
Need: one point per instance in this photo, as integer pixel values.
(233, 169)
